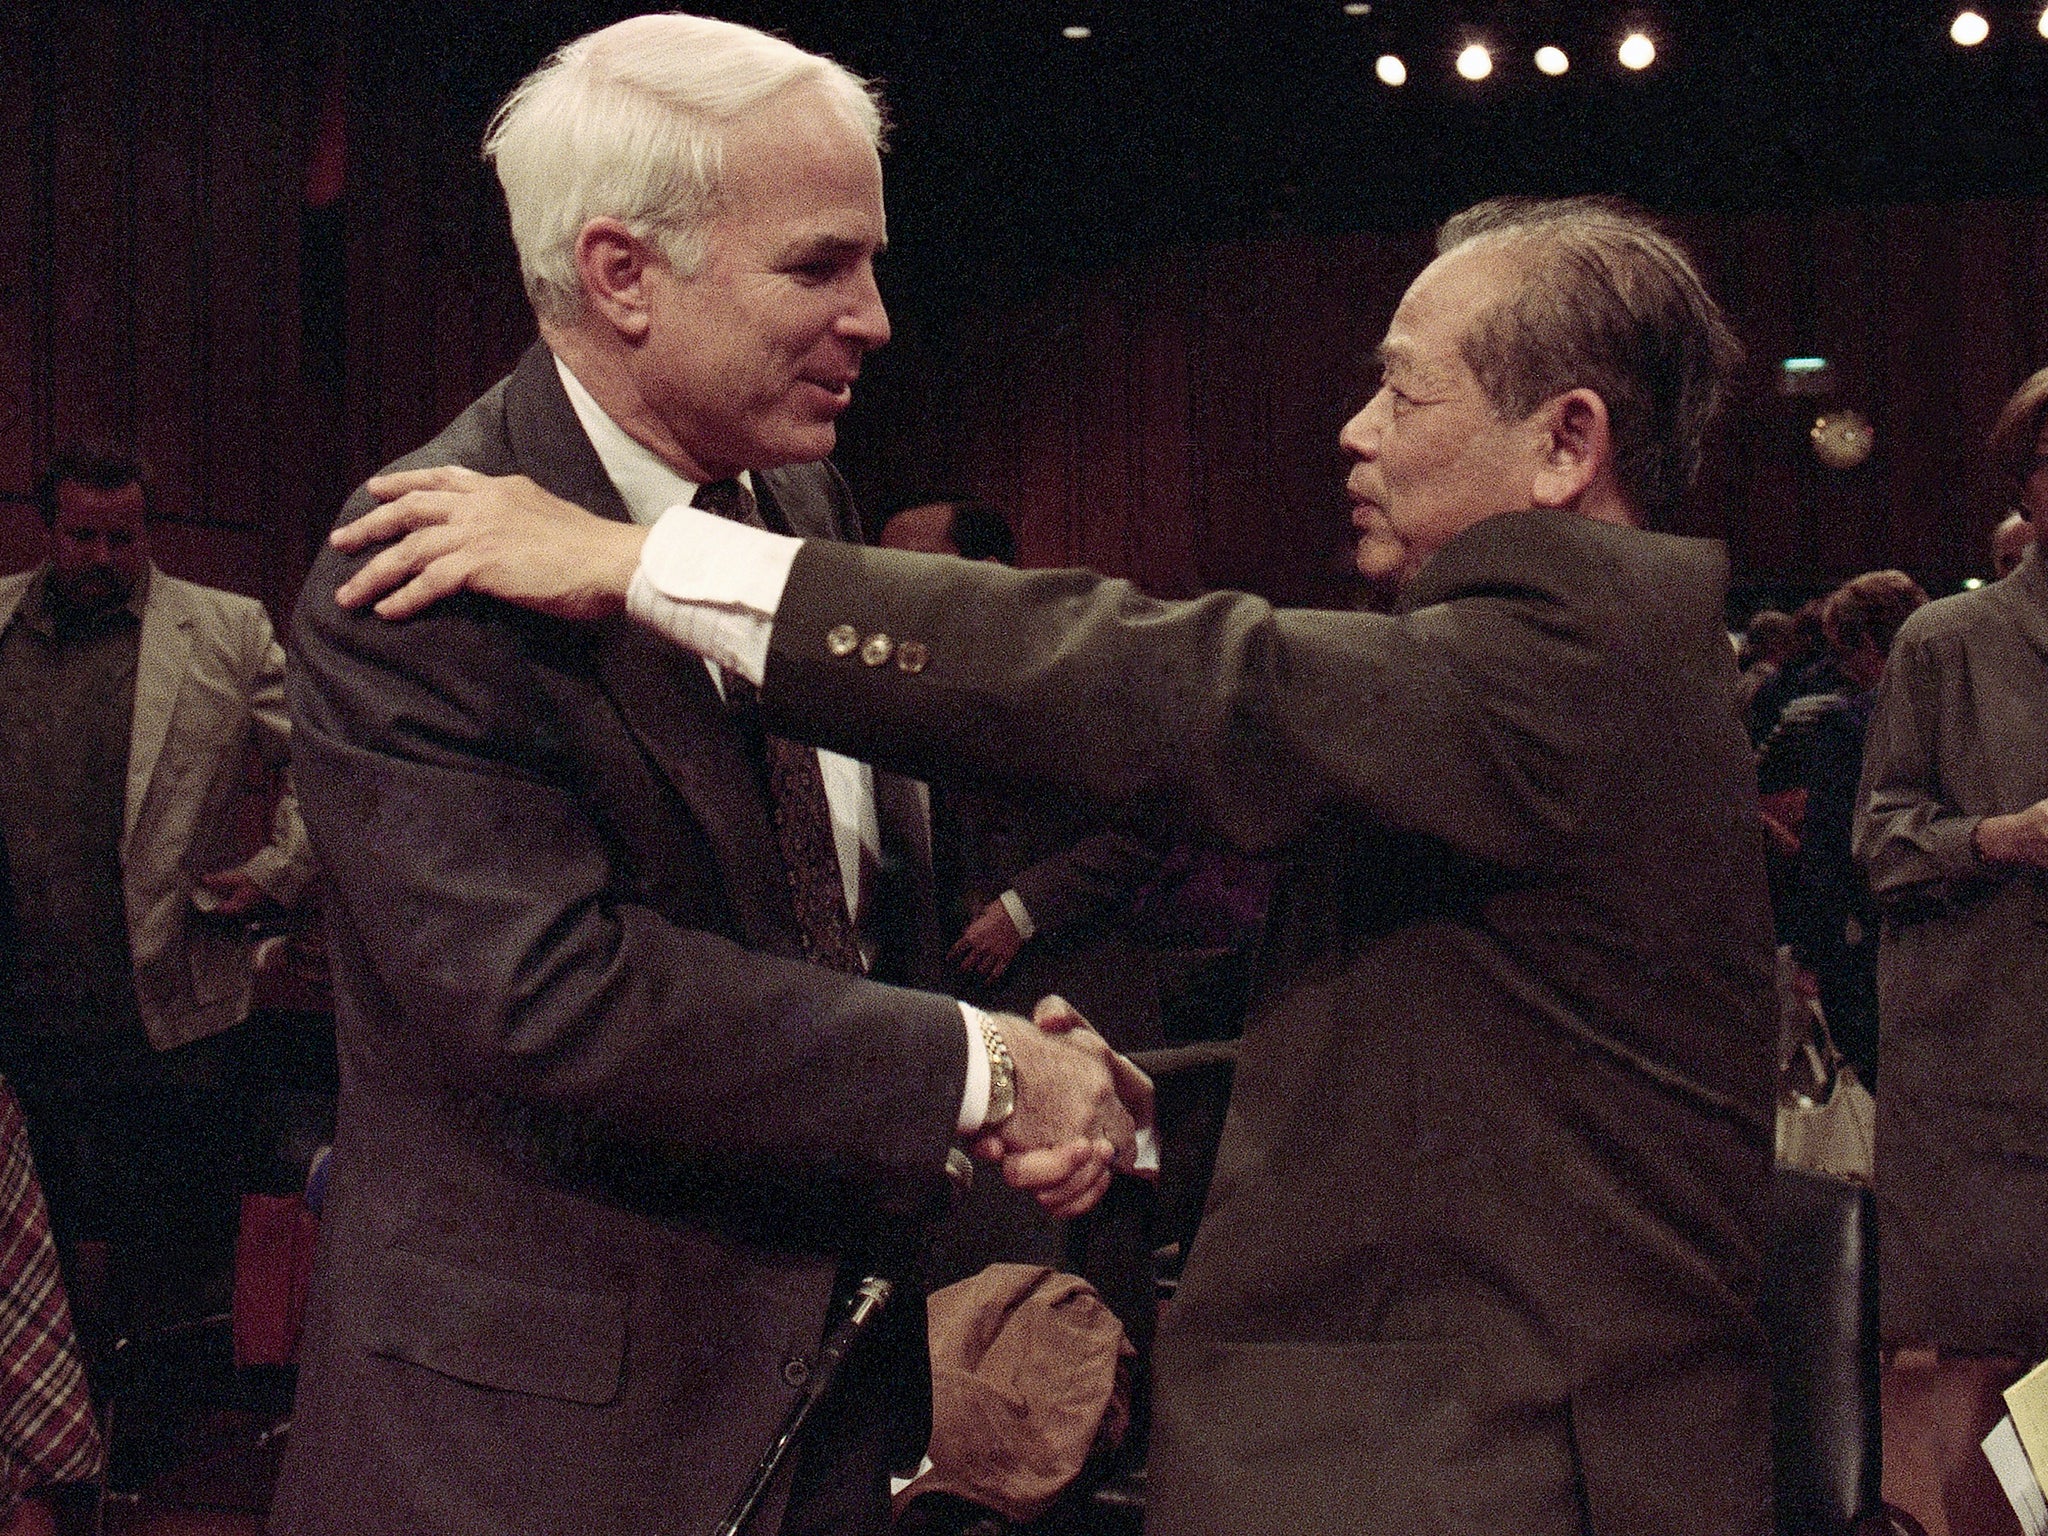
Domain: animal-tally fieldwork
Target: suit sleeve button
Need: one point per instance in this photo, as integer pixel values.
(877, 649)
(912, 656)
(796, 1371)
(841, 639)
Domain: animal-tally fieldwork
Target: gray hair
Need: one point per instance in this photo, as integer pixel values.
(629, 123)
(1608, 302)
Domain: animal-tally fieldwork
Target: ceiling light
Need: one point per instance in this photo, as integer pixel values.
(1391, 70)
(1552, 61)
(1077, 34)
(1357, 8)
(1475, 63)
(1637, 51)
(1969, 29)
(2042, 25)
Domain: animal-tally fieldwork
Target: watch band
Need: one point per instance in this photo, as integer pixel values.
(1002, 1076)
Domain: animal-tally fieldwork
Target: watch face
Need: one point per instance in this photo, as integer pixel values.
(1843, 439)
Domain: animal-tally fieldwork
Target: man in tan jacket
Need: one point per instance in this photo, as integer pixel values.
(129, 704)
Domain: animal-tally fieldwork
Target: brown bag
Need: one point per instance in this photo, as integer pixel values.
(1029, 1374)
(1827, 1119)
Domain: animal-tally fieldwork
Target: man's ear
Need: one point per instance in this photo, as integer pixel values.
(1574, 447)
(614, 265)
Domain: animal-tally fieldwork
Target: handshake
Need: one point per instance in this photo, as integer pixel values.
(1079, 1110)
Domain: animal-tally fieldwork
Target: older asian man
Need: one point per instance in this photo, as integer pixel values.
(1487, 1221)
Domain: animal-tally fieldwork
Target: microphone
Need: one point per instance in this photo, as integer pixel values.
(868, 1300)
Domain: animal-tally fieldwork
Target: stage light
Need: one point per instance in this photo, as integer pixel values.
(1637, 51)
(2041, 26)
(1391, 70)
(1552, 61)
(1842, 439)
(1357, 8)
(1969, 29)
(1077, 34)
(1810, 376)
(1475, 63)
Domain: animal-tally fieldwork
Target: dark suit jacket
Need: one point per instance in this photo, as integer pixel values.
(604, 1138)
(1486, 1224)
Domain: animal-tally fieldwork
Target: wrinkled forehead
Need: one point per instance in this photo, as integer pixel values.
(1449, 296)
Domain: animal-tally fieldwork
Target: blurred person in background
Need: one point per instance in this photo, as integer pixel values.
(1953, 833)
(131, 705)
(1765, 643)
(1835, 931)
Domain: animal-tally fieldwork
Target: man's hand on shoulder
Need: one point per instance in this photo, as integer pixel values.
(1079, 1105)
(505, 537)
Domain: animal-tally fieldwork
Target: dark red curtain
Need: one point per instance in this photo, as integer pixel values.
(1173, 420)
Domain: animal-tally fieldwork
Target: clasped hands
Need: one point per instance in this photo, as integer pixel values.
(1080, 1106)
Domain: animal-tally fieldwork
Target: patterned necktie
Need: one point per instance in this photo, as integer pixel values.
(796, 791)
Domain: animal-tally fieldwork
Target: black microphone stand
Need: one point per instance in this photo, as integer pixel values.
(869, 1298)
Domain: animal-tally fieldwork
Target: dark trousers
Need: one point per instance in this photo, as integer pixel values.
(141, 1155)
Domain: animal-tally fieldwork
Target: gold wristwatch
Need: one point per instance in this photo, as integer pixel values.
(1002, 1076)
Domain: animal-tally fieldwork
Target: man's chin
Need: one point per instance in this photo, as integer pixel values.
(804, 443)
(89, 596)
(1383, 561)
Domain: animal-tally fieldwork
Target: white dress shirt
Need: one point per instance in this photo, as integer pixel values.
(712, 586)
(649, 488)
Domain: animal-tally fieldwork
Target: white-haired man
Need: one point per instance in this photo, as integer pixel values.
(623, 1110)
(1487, 1222)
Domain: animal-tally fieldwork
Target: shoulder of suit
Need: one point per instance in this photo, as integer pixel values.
(1962, 613)
(1533, 553)
(1613, 576)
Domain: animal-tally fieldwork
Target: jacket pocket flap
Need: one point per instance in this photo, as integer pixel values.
(492, 1330)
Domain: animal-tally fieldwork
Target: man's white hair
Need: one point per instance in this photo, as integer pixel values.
(629, 123)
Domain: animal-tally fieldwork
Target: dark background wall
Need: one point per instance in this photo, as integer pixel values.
(1134, 291)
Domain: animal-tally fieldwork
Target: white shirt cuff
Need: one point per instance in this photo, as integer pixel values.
(1020, 915)
(974, 1099)
(1146, 1163)
(712, 586)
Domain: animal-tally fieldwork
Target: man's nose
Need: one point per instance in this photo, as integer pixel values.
(1361, 435)
(866, 320)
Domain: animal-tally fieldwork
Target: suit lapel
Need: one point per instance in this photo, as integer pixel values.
(664, 698)
(904, 918)
(162, 656)
(669, 705)
(793, 504)
(12, 590)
